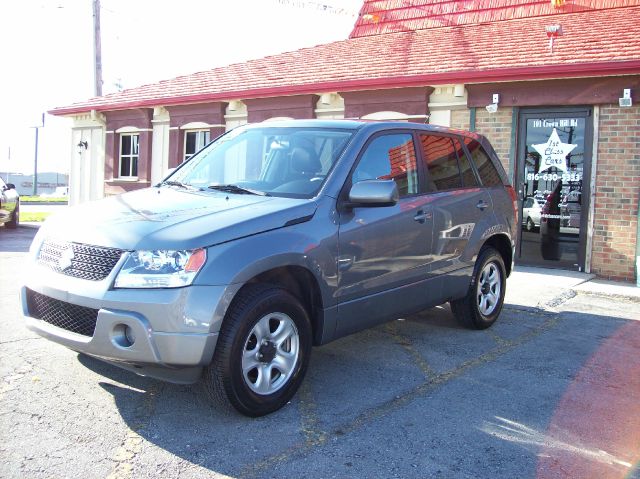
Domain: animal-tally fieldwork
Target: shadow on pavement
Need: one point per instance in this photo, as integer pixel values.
(17, 240)
(515, 401)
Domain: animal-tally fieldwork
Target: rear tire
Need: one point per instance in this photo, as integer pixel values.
(262, 352)
(480, 308)
(15, 219)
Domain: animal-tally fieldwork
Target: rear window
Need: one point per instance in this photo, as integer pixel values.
(488, 173)
(469, 179)
(441, 161)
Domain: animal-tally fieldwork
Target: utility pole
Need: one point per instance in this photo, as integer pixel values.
(35, 161)
(97, 50)
(8, 162)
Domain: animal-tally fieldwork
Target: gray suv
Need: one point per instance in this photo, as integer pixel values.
(274, 238)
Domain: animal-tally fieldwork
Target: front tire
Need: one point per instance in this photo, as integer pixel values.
(480, 308)
(262, 352)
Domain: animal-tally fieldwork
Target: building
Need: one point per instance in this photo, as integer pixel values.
(49, 183)
(544, 81)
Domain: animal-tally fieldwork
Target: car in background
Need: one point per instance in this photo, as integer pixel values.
(531, 210)
(9, 205)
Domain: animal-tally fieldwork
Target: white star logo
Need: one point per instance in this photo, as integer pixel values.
(553, 153)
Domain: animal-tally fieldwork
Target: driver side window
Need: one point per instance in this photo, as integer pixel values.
(390, 157)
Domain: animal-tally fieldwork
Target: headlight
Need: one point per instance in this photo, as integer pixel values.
(160, 268)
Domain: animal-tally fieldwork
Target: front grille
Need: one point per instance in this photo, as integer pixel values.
(78, 260)
(74, 318)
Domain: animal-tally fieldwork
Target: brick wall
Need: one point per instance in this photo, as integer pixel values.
(617, 191)
(460, 119)
(497, 128)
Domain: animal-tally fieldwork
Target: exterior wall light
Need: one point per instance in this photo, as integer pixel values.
(493, 107)
(82, 146)
(626, 100)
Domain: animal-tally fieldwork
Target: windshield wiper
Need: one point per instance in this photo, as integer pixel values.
(238, 190)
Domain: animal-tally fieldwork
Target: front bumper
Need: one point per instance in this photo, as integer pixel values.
(174, 331)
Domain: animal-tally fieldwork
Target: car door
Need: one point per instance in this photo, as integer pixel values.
(383, 251)
(459, 202)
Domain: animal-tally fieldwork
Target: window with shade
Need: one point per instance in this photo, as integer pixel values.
(129, 154)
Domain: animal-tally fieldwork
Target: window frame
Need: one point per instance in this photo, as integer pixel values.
(131, 156)
(206, 131)
(400, 131)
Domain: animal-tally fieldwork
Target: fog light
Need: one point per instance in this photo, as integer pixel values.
(123, 336)
(128, 333)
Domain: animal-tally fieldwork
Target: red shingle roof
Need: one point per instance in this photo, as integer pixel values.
(392, 16)
(594, 43)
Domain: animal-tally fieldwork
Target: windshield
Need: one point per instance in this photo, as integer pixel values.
(277, 161)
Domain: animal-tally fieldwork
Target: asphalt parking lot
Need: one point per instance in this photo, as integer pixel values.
(552, 390)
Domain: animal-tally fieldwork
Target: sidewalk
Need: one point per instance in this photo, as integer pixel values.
(534, 287)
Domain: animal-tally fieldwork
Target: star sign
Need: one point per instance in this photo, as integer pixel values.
(553, 153)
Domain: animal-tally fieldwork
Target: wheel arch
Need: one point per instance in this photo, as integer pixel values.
(302, 284)
(502, 244)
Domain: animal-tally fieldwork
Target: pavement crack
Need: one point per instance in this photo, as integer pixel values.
(402, 340)
(560, 299)
(133, 442)
(21, 339)
(497, 338)
(310, 424)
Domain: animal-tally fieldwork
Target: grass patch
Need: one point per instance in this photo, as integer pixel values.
(29, 217)
(43, 199)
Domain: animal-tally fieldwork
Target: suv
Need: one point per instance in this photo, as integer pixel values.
(274, 238)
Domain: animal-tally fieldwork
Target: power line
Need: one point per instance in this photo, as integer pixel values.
(319, 6)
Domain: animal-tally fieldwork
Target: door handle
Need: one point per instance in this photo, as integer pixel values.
(421, 216)
(482, 205)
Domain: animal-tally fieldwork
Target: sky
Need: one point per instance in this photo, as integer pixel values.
(46, 54)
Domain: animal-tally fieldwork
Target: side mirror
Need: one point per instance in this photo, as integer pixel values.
(11, 186)
(370, 193)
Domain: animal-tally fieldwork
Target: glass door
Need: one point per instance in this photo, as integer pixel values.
(554, 158)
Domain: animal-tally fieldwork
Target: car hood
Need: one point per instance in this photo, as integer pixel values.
(171, 218)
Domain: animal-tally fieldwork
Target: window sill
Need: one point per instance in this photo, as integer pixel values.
(126, 179)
